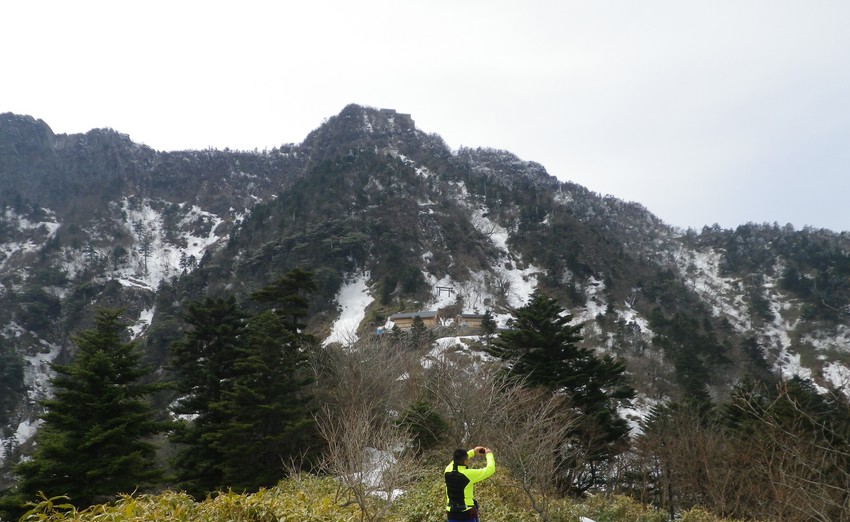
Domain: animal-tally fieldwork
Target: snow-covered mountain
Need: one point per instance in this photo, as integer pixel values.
(391, 220)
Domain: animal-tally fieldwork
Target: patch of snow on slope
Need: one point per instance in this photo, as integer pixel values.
(438, 352)
(11, 249)
(444, 345)
(514, 284)
(837, 340)
(441, 298)
(564, 198)
(12, 330)
(776, 336)
(789, 366)
(21, 223)
(420, 171)
(353, 299)
(163, 259)
(726, 296)
(637, 412)
(37, 376)
(596, 304)
(838, 376)
(197, 245)
(26, 430)
(145, 318)
(701, 269)
(511, 284)
(37, 372)
(777, 339)
(378, 463)
(630, 315)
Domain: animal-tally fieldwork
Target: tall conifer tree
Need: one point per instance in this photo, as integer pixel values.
(204, 361)
(269, 424)
(287, 297)
(243, 379)
(540, 348)
(95, 439)
(488, 326)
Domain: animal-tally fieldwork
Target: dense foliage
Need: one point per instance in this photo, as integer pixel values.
(769, 453)
(540, 349)
(95, 439)
(766, 453)
(243, 378)
(11, 381)
(312, 499)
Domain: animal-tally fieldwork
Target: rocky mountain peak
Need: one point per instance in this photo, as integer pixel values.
(357, 127)
(18, 130)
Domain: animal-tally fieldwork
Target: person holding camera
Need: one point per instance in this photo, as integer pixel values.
(460, 479)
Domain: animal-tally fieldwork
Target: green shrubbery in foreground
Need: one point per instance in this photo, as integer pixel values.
(314, 499)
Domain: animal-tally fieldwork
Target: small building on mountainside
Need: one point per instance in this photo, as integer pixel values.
(404, 321)
(469, 320)
(434, 319)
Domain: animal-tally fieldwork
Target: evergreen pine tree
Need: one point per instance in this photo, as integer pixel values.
(418, 335)
(204, 361)
(424, 423)
(691, 352)
(244, 382)
(540, 348)
(95, 439)
(488, 326)
(268, 425)
(11, 380)
(287, 297)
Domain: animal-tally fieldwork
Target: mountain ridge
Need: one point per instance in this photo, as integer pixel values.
(94, 220)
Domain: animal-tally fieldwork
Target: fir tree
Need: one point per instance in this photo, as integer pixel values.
(287, 297)
(488, 326)
(691, 351)
(204, 361)
(244, 380)
(540, 349)
(418, 335)
(425, 424)
(268, 425)
(95, 439)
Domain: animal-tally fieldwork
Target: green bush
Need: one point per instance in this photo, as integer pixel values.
(314, 499)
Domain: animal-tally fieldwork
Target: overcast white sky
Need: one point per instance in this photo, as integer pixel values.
(723, 111)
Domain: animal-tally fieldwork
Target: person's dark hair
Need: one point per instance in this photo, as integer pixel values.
(460, 456)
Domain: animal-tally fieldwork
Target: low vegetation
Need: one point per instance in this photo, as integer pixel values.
(308, 498)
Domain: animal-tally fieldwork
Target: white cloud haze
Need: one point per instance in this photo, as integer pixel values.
(704, 112)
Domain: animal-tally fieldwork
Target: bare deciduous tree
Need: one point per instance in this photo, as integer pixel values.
(778, 461)
(363, 387)
(368, 456)
(469, 394)
(374, 372)
(535, 425)
(805, 460)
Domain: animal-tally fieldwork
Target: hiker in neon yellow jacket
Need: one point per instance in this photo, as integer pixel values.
(460, 496)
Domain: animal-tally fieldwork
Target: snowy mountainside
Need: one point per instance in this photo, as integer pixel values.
(390, 220)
